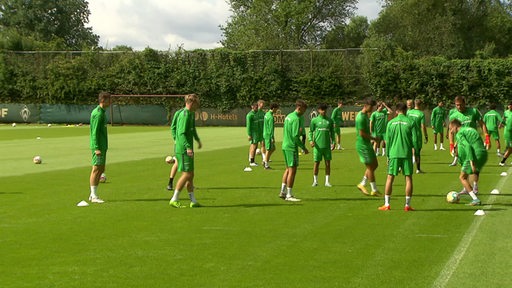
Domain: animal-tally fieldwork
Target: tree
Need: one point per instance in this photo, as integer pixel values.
(283, 24)
(60, 23)
(348, 36)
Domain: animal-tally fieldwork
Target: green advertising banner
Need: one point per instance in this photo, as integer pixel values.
(19, 113)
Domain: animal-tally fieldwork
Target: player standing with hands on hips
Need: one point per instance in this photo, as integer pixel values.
(98, 144)
(185, 134)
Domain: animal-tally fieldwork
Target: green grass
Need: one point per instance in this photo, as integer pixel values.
(245, 236)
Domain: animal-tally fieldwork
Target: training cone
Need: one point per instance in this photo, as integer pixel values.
(82, 204)
(247, 169)
(503, 174)
(479, 213)
(495, 191)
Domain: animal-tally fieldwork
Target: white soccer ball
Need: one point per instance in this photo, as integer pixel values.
(49, 125)
(13, 124)
(37, 160)
(258, 151)
(452, 197)
(170, 159)
(103, 178)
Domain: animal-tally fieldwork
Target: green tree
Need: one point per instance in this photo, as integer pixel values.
(60, 24)
(283, 24)
(351, 35)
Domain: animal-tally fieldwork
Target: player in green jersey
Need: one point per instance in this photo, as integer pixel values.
(174, 168)
(378, 122)
(400, 137)
(337, 118)
(260, 114)
(292, 130)
(472, 156)
(419, 119)
(252, 127)
(185, 134)
(492, 120)
(321, 138)
(98, 144)
(507, 134)
(364, 148)
(268, 134)
(437, 121)
(468, 117)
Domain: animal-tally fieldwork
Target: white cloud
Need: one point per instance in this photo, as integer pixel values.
(168, 24)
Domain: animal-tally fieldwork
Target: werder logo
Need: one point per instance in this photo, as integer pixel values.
(25, 113)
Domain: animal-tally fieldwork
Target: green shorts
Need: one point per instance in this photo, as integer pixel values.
(417, 147)
(270, 144)
(322, 153)
(438, 128)
(291, 158)
(255, 139)
(397, 164)
(479, 164)
(381, 136)
(366, 154)
(494, 134)
(337, 130)
(100, 160)
(185, 162)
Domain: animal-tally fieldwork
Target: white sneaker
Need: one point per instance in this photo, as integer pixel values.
(292, 199)
(253, 164)
(328, 184)
(314, 184)
(96, 200)
(501, 164)
(435, 148)
(441, 148)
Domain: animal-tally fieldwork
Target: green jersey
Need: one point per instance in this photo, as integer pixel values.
(292, 130)
(362, 123)
(492, 120)
(507, 121)
(336, 117)
(260, 115)
(321, 131)
(185, 131)
(252, 124)
(98, 129)
(419, 120)
(470, 145)
(268, 125)
(400, 137)
(378, 122)
(438, 116)
(174, 122)
(468, 118)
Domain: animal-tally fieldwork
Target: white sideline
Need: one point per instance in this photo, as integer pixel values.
(452, 264)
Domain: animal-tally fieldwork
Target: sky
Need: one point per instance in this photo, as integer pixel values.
(169, 24)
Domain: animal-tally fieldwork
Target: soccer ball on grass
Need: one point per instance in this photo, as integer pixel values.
(452, 197)
(37, 160)
(103, 178)
(170, 159)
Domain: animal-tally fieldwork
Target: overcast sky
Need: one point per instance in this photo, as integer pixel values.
(168, 24)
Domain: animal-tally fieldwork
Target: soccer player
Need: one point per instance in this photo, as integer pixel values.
(98, 144)
(337, 118)
(472, 156)
(468, 117)
(507, 134)
(260, 114)
(492, 120)
(268, 134)
(437, 121)
(419, 119)
(378, 122)
(400, 134)
(174, 168)
(252, 125)
(185, 134)
(292, 130)
(321, 138)
(364, 148)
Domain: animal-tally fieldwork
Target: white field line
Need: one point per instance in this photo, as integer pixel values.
(452, 264)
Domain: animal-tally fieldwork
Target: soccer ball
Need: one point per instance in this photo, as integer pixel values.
(13, 124)
(103, 178)
(37, 160)
(452, 197)
(49, 125)
(170, 159)
(258, 151)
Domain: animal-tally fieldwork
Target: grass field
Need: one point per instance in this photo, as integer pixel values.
(244, 236)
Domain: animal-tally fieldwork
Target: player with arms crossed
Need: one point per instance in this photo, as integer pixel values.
(507, 122)
(337, 118)
(437, 121)
(292, 130)
(98, 144)
(184, 147)
(492, 120)
(268, 134)
(472, 156)
(400, 134)
(321, 138)
(364, 148)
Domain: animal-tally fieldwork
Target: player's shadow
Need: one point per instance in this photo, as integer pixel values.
(11, 193)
